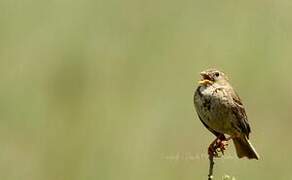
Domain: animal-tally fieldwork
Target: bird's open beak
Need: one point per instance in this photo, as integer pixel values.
(206, 79)
(205, 82)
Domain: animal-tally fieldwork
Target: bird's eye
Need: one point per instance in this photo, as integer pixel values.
(217, 74)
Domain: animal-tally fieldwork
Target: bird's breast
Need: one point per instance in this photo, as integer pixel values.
(211, 104)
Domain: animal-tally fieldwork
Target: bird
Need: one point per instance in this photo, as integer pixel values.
(222, 112)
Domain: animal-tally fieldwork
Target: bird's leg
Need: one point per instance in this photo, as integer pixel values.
(229, 138)
(222, 143)
(222, 146)
(218, 145)
(212, 149)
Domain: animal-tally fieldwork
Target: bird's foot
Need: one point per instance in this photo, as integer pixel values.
(217, 147)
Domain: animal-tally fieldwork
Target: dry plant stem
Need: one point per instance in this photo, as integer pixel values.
(211, 166)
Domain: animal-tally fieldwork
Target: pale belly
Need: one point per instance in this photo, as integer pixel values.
(214, 109)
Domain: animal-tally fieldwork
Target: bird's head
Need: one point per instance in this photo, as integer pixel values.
(212, 76)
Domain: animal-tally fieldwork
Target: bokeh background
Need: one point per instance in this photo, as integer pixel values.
(103, 89)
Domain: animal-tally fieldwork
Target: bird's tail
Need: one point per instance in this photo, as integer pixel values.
(244, 148)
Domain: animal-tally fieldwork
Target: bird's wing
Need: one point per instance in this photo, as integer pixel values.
(240, 114)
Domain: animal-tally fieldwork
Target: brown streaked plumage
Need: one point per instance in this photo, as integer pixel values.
(221, 111)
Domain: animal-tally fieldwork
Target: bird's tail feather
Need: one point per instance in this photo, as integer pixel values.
(244, 148)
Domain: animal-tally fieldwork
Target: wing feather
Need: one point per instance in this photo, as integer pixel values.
(240, 114)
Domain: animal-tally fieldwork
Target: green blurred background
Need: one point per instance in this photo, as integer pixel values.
(103, 89)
